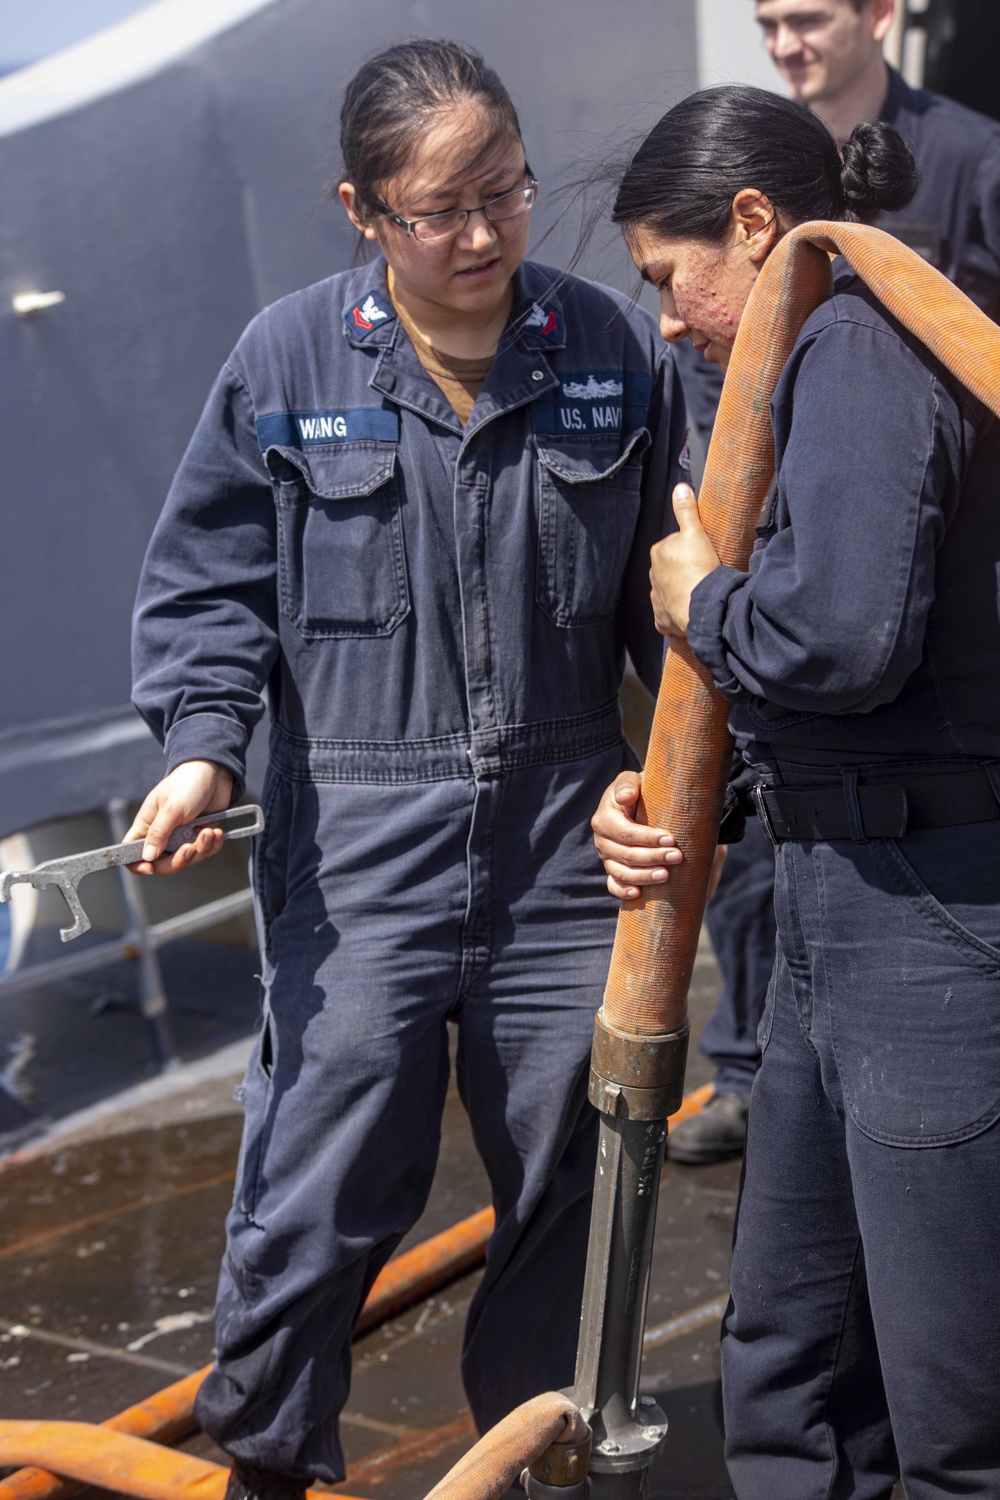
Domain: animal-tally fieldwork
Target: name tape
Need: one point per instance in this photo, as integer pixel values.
(304, 429)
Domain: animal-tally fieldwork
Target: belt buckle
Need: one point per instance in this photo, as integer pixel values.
(757, 797)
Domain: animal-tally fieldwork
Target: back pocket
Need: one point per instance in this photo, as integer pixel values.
(589, 493)
(341, 560)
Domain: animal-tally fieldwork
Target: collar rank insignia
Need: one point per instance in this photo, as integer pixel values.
(543, 319)
(365, 315)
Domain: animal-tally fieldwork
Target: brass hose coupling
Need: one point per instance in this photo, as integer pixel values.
(637, 1077)
(560, 1473)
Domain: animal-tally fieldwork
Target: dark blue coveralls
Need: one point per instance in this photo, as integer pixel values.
(862, 649)
(440, 616)
(954, 222)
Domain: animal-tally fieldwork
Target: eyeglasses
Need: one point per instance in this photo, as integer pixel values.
(450, 221)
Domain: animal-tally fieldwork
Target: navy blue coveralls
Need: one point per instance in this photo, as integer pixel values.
(863, 1335)
(954, 222)
(440, 616)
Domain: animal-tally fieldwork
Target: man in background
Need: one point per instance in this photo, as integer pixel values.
(830, 54)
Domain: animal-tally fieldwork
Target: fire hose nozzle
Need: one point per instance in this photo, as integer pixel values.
(560, 1473)
(637, 1077)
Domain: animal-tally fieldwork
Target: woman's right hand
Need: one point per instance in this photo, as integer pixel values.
(634, 855)
(192, 788)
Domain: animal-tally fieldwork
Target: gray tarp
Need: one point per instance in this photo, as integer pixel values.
(169, 203)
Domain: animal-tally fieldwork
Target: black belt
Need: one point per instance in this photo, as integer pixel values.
(880, 810)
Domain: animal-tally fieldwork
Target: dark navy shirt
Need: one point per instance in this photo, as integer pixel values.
(422, 600)
(868, 623)
(953, 221)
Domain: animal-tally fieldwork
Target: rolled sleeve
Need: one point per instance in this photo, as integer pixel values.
(213, 737)
(706, 625)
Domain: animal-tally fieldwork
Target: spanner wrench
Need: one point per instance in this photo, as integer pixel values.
(66, 873)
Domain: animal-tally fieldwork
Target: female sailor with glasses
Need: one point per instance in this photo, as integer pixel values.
(417, 511)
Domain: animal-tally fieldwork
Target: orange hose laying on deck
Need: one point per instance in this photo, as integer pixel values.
(689, 748)
(498, 1458)
(114, 1461)
(168, 1415)
(132, 1466)
(420, 1270)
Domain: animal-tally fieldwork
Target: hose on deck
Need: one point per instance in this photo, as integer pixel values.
(133, 1466)
(115, 1461)
(168, 1415)
(513, 1445)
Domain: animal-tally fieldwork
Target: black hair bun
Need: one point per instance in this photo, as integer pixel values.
(878, 172)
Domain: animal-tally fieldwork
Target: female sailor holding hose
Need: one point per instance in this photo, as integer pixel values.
(861, 653)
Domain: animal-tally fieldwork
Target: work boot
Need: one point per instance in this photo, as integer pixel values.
(247, 1482)
(717, 1133)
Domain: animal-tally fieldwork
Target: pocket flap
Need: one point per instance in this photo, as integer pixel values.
(341, 470)
(587, 462)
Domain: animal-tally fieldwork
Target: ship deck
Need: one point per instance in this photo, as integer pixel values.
(110, 1236)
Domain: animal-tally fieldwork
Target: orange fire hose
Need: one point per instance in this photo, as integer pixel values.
(167, 1416)
(132, 1466)
(419, 1271)
(498, 1458)
(686, 767)
(689, 748)
(115, 1461)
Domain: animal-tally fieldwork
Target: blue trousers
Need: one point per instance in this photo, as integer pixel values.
(862, 1340)
(385, 913)
(740, 922)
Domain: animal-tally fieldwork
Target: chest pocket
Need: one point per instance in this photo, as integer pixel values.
(588, 505)
(341, 560)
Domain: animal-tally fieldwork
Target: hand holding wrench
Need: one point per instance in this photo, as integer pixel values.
(66, 873)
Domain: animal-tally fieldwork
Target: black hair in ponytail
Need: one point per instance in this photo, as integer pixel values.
(682, 180)
(878, 173)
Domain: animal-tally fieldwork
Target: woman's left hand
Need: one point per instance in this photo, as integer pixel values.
(679, 563)
(634, 854)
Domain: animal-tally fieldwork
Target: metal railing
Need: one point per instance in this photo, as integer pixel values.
(140, 942)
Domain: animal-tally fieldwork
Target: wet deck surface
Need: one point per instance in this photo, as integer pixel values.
(109, 1245)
